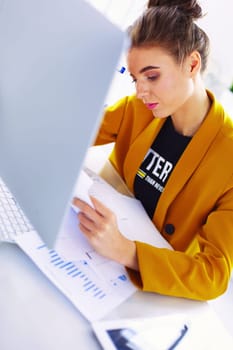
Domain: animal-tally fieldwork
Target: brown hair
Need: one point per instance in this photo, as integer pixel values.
(170, 25)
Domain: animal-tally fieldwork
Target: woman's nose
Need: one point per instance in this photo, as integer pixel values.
(141, 90)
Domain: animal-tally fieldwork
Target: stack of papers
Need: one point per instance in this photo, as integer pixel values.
(90, 281)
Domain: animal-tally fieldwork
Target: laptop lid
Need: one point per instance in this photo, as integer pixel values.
(57, 60)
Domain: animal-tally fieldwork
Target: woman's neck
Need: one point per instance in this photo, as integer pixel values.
(188, 120)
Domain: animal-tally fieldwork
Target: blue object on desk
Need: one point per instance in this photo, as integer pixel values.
(178, 340)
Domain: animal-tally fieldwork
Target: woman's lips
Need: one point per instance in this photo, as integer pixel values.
(151, 105)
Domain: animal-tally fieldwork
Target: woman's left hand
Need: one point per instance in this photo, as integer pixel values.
(99, 225)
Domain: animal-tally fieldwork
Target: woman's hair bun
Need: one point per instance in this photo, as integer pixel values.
(190, 8)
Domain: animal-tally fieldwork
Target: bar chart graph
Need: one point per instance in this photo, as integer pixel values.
(94, 294)
(78, 273)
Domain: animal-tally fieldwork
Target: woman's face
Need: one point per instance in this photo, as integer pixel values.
(161, 83)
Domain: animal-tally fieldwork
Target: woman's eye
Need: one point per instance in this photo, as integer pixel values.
(152, 77)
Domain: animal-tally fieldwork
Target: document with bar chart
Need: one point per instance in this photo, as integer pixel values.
(94, 284)
(86, 289)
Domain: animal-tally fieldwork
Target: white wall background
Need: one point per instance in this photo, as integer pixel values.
(218, 25)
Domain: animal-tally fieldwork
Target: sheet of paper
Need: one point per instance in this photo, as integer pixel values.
(107, 274)
(133, 220)
(91, 294)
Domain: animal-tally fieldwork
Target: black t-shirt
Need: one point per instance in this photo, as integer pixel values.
(158, 164)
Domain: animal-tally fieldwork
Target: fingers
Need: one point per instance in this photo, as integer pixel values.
(94, 220)
(86, 225)
(83, 206)
(90, 218)
(99, 207)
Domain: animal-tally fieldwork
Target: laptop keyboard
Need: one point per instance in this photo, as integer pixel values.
(13, 221)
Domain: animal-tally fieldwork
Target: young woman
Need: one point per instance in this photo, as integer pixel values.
(174, 150)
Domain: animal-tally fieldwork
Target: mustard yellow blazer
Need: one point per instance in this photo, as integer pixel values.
(195, 211)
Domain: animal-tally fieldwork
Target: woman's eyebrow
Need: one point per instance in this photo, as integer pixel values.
(144, 69)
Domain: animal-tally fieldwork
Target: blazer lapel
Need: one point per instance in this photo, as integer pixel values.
(190, 160)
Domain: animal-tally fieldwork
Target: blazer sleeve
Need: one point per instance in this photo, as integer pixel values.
(202, 276)
(110, 123)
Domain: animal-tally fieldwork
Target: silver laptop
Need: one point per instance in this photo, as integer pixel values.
(57, 60)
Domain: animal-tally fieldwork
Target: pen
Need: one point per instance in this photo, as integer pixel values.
(122, 70)
(178, 340)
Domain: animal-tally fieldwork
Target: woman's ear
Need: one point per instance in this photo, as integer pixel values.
(194, 62)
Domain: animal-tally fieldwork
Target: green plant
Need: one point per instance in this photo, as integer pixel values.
(231, 87)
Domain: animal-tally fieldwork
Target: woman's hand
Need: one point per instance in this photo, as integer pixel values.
(99, 225)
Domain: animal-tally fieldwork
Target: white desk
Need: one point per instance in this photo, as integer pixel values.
(34, 314)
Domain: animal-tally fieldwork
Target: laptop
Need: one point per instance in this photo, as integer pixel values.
(57, 61)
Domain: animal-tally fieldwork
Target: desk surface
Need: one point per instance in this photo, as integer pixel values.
(36, 315)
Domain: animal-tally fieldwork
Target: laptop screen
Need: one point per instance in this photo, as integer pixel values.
(57, 61)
